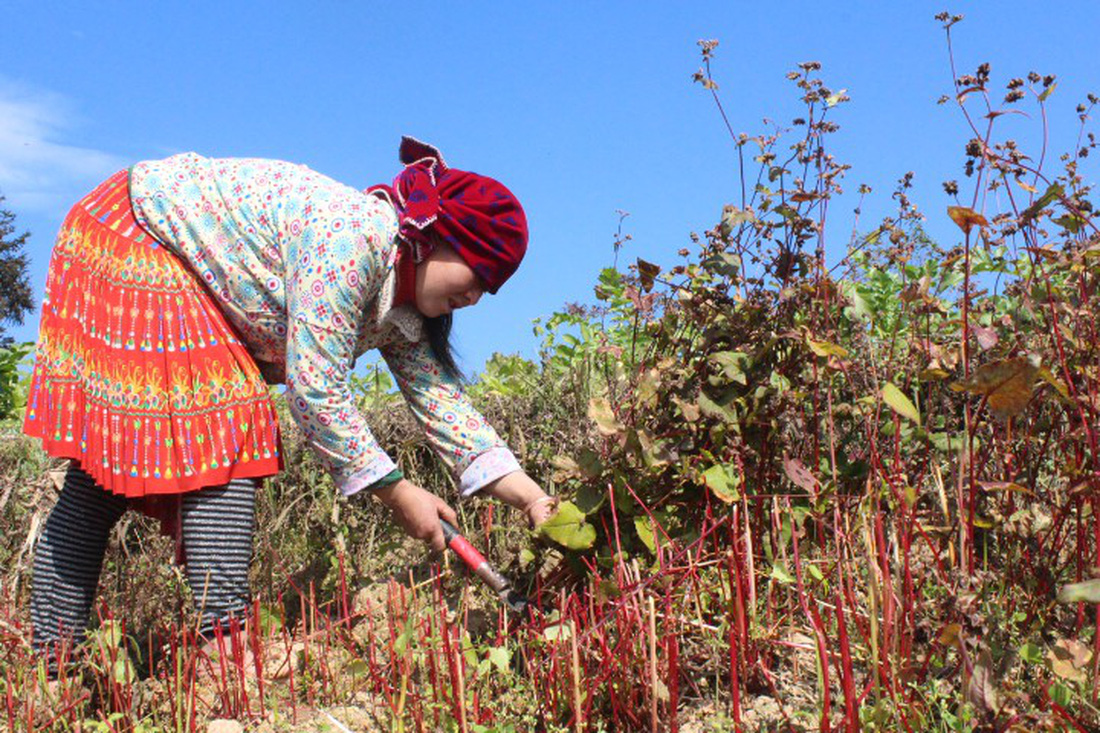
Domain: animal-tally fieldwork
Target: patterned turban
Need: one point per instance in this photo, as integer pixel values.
(474, 214)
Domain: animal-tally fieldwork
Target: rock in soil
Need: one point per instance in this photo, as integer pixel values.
(224, 726)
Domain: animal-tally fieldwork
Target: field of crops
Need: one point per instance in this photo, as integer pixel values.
(798, 495)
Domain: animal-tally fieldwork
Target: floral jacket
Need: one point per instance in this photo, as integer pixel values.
(302, 266)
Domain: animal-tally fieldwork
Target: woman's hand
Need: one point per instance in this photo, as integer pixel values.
(417, 511)
(519, 490)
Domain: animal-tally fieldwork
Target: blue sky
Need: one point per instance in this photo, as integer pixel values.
(582, 109)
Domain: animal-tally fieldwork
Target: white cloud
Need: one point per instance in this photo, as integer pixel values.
(38, 170)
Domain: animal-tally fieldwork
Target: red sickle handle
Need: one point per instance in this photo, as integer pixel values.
(473, 559)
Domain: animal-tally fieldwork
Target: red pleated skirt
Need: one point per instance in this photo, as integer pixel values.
(138, 377)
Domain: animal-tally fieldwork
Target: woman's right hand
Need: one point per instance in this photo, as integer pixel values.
(417, 511)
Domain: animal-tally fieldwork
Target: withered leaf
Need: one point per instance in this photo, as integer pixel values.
(966, 217)
(799, 474)
(1007, 384)
(565, 468)
(1069, 659)
(981, 688)
(647, 272)
(1047, 376)
(1004, 486)
(950, 635)
(646, 391)
(987, 337)
(690, 410)
(599, 410)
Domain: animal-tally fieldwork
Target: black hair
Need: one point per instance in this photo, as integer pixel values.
(438, 330)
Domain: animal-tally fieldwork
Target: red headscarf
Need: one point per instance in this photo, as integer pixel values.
(474, 214)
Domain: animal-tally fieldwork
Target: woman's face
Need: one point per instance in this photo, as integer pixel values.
(445, 283)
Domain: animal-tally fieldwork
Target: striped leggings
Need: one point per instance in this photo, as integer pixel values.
(216, 526)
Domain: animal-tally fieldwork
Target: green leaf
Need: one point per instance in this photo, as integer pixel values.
(899, 403)
(501, 658)
(944, 441)
(110, 635)
(1070, 223)
(723, 263)
(121, 670)
(558, 632)
(1055, 190)
(1061, 694)
(780, 574)
(826, 348)
(732, 364)
(1085, 592)
(655, 452)
(732, 217)
(1031, 653)
(859, 308)
(357, 668)
(723, 482)
(646, 391)
(712, 409)
(644, 528)
(271, 619)
(589, 462)
(590, 498)
(568, 528)
(1047, 92)
(608, 590)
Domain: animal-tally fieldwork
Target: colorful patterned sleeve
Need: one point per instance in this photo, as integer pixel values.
(337, 270)
(318, 361)
(458, 433)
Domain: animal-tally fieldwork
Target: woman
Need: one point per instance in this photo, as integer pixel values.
(178, 288)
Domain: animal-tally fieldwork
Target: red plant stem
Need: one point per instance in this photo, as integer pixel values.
(614, 519)
(846, 676)
(908, 592)
(672, 643)
(452, 665)
(1096, 637)
(1061, 713)
(290, 678)
(223, 672)
(887, 587)
(815, 621)
(392, 614)
(735, 678)
(733, 576)
(9, 703)
(433, 670)
(257, 654)
(750, 569)
(345, 610)
(971, 494)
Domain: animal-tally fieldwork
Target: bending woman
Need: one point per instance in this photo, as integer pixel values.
(179, 289)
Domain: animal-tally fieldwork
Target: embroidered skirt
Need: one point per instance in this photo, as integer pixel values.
(138, 377)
